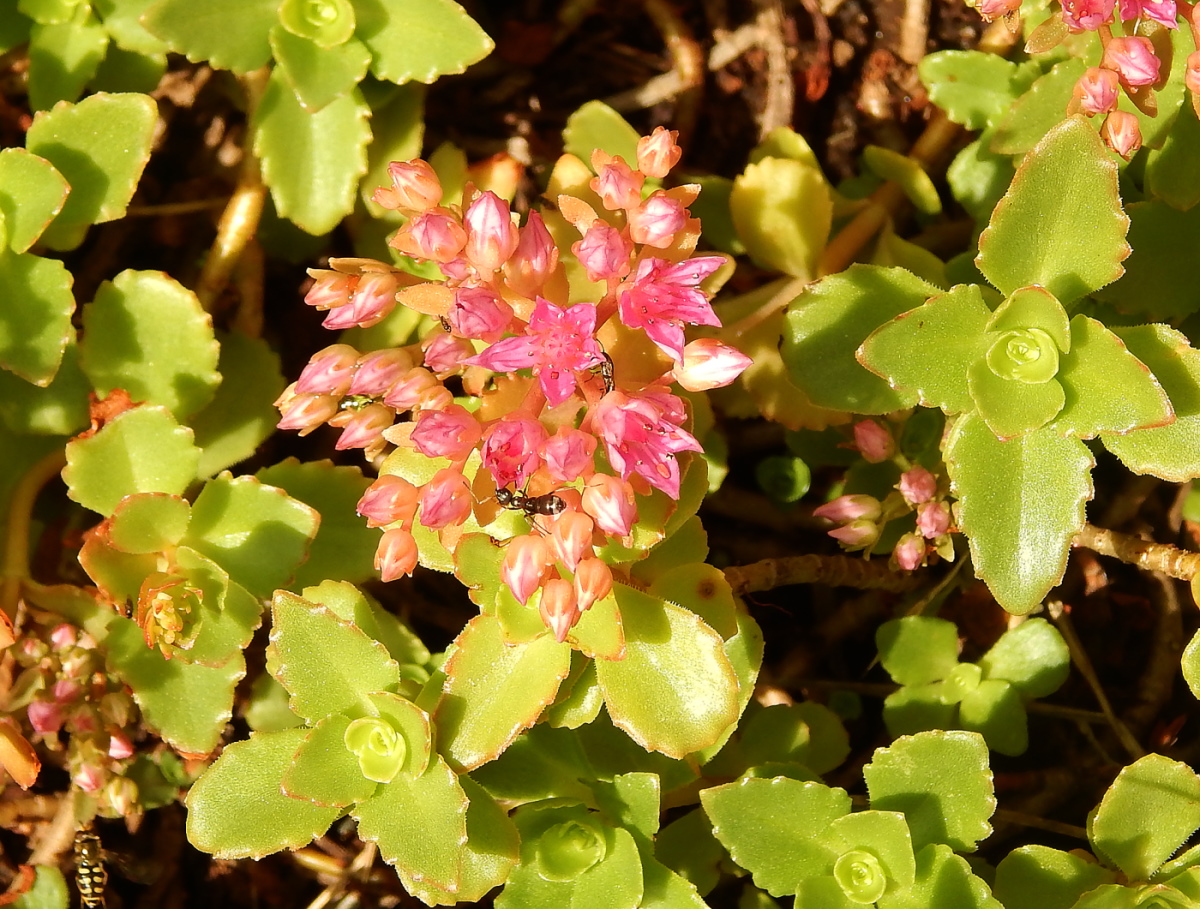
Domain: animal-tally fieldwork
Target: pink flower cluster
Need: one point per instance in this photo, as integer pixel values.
(564, 427)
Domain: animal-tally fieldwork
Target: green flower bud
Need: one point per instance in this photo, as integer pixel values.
(1025, 354)
(380, 748)
(568, 849)
(963, 679)
(785, 479)
(327, 23)
(861, 876)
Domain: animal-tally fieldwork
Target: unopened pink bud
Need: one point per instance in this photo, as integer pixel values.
(617, 184)
(593, 581)
(45, 717)
(414, 188)
(405, 394)
(526, 559)
(1096, 91)
(436, 398)
(64, 636)
(933, 519)
(1191, 75)
(909, 552)
(603, 252)
(445, 499)
(609, 500)
(67, 690)
(534, 260)
(850, 508)
(479, 313)
(373, 299)
(396, 554)
(707, 363)
(658, 152)
(305, 412)
(572, 537)
(435, 235)
(1121, 132)
(491, 235)
(89, 778)
(379, 370)
(569, 453)
(1133, 59)
(917, 485)
(873, 441)
(330, 289)
(444, 354)
(511, 449)
(83, 721)
(329, 371)
(559, 607)
(451, 433)
(857, 534)
(362, 428)
(388, 500)
(119, 745)
(657, 220)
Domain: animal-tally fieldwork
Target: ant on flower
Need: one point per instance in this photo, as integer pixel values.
(548, 504)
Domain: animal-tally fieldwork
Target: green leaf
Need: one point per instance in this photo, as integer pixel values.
(541, 764)
(919, 708)
(151, 522)
(1020, 503)
(675, 692)
(228, 615)
(242, 413)
(350, 604)
(1151, 809)
(702, 589)
(419, 825)
(582, 702)
(311, 161)
(632, 801)
(596, 126)
(808, 733)
(1038, 110)
(329, 666)
(883, 834)
(616, 881)
(32, 193)
(318, 75)
(126, 71)
(783, 211)
(907, 173)
(994, 710)
(237, 808)
(828, 322)
(49, 891)
(419, 40)
(186, 703)
(916, 649)
(598, 633)
(664, 889)
(63, 57)
(772, 827)
(100, 146)
(687, 846)
(59, 409)
(1060, 225)
(256, 532)
(329, 23)
(1173, 172)
(268, 709)
(494, 690)
(123, 20)
(1010, 407)
(1191, 665)
(147, 333)
(944, 881)
(1033, 657)
(974, 88)
(14, 26)
(942, 784)
(228, 34)
(35, 315)
(344, 547)
(397, 128)
(140, 450)
(978, 177)
(1038, 877)
(324, 771)
(1155, 283)
(928, 350)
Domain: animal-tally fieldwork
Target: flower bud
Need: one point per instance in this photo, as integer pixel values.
(396, 554)
(917, 485)
(405, 394)
(1122, 133)
(657, 220)
(119, 745)
(362, 428)
(491, 235)
(616, 183)
(526, 559)
(559, 608)
(658, 152)
(707, 363)
(1096, 91)
(64, 636)
(46, 717)
(329, 371)
(909, 552)
(593, 581)
(861, 534)
(479, 313)
(873, 441)
(1087, 15)
(445, 499)
(850, 508)
(609, 500)
(534, 260)
(121, 793)
(304, 412)
(414, 188)
(444, 354)
(1191, 75)
(330, 289)
(89, 778)
(373, 299)
(388, 500)
(572, 537)
(379, 370)
(933, 519)
(569, 453)
(451, 433)
(995, 9)
(435, 235)
(1133, 59)
(603, 252)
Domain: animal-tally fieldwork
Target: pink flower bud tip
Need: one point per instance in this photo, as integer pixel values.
(435, 235)
(119, 746)
(593, 581)
(873, 441)
(362, 428)
(89, 778)
(396, 554)
(559, 608)
(414, 188)
(1121, 132)
(491, 234)
(1133, 59)
(917, 485)
(658, 152)
(857, 534)
(1096, 91)
(387, 500)
(603, 252)
(445, 499)
(525, 562)
(657, 220)
(329, 371)
(909, 552)
(850, 508)
(616, 183)
(45, 717)
(64, 636)
(933, 519)
(707, 363)
(571, 537)
(609, 500)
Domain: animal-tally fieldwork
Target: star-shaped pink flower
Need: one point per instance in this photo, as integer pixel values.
(660, 297)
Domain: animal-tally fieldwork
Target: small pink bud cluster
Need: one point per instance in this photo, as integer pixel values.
(539, 397)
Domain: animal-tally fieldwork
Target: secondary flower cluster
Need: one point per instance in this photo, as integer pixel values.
(565, 403)
(861, 518)
(1130, 60)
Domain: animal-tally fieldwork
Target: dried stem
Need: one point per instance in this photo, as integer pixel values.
(831, 570)
(780, 90)
(1162, 663)
(1040, 823)
(17, 527)
(1161, 557)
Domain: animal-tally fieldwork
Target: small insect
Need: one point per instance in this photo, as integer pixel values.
(606, 373)
(90, 874)
(445, 323)
(548, 504)
(356, 403)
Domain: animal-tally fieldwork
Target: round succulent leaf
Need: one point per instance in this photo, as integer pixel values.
(703, 589)
(745, 653)
(783, 210)
(58, 409)
(327, 23)
(807, 733)
(995, 710)
(662, 887)
(928, 350)
(242, 413)
(118, 575)
(122, 20)
(328, 665)
(688, 847)
(675, 692)
(419, 40)
(978, 178)
(944, 881)
(1010, 407)
(324, 771)
(1156, 281)
(188, 704)
(1108, 388)
(149, 522)
(918, 708)
(1039, 109)
(599, 633)
(520, 622)
(140, 450)
(542, 764)
(47, 891)
(907, 173)
(477, 565)
(1020, 503)
(632, 801)
(237, 809)
(268, 710)
(1060, 225)
(32, 193)
(147, 333)
(881, 834)
(1150, 810)
(1030, 308)
(917, 649)
(350, 604)
(583, 699)
(1191, 663)
(63, 57)
(318, 76)
(412, 723)
(344, 547)
(1173, 172)
(596, 126)
(1032, 656)
(228, 34)
(941, 782)
(36, 304)
(783, 142)
(311, 161)
(974, 88)
(494, 690)
(398, 820)
(615, 882)
(773, 828)
(100, 146)
(1039, 877)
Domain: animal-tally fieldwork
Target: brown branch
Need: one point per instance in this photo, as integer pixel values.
(1162, 557)
(831, 570)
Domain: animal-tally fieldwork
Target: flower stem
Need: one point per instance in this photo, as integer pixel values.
(1163, 557)
(16, 529)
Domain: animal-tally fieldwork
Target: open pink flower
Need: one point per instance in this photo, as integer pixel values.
(1087, 15)
(661, 297)
(510, 449)
(557, 344)
(1163, 12)
(642, 434)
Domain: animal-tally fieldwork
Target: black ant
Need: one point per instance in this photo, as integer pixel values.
(605, 367)
(547, 505)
